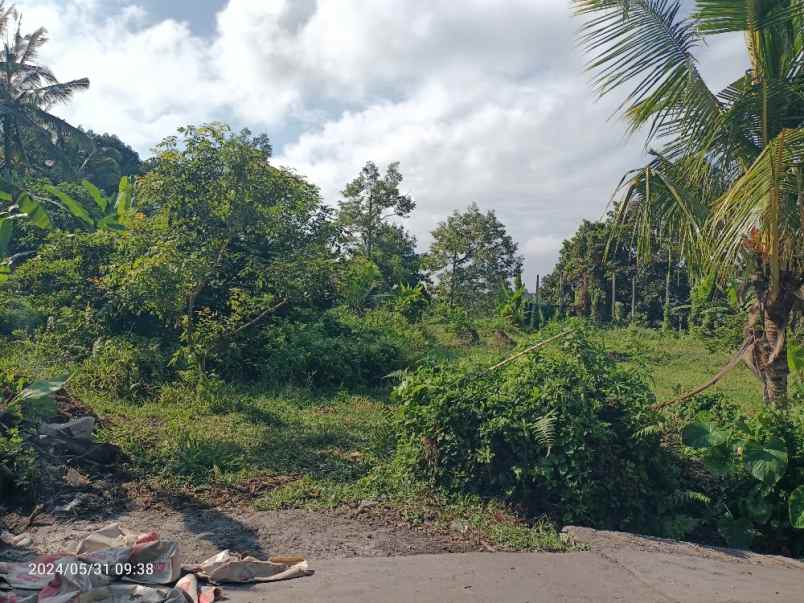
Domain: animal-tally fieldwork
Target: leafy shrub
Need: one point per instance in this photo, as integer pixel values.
(552, 431)
(760, 464)
(410, 302)
(125, 367)
(337, 349)
(358, 278)
(18, 315)
(17, 463)
(22, 409)
(458, 323)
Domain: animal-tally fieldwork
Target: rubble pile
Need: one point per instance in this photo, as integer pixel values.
(116, 565)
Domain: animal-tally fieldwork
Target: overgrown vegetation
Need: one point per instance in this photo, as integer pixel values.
(230, 327)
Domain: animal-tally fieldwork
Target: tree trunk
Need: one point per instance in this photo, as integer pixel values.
(633, 297)
(7, 152)
(539, 300)
(776, 370)
(452, 280)
(666, 318)
(776, 319)
(582, 303)
(613, 296)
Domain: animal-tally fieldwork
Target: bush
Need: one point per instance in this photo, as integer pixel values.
(339, 348)
(18, 315)
(17, 463)
(125, 367)
(554, 432)
(410, 302)
(756, 465)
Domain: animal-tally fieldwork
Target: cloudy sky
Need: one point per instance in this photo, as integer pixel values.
(487, 103)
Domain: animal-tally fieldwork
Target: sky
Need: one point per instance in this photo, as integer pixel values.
(487, 104)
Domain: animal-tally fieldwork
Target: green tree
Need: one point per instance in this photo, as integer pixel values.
(224, 240)
(587, 261)
(726, 181)
(357, 281)
(395, 255)
(472, 256)
(370, 200)
(28, 90)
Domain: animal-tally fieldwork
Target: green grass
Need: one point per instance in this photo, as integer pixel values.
(679, 363)
(334, 448)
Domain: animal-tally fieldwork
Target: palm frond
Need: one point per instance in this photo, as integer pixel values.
(7, 13)
(647, 45)
(47, 96)
(755, 213)
(723, 16)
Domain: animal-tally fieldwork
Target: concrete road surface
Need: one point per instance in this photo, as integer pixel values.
(618, 567)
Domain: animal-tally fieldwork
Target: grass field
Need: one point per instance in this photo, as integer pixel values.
(679, 363)
(323, 449)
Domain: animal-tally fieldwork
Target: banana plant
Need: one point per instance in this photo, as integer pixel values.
(20, 204)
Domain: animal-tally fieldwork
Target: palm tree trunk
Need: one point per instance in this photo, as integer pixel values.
(613, 296)
(778, 311)
(7, 148)
(776, 370)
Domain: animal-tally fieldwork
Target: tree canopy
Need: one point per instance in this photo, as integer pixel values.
(472, 257)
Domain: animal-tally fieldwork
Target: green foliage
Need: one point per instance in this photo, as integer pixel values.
(125, 367)
(471, 256)
(511, 302)
(20, 408)
(339, 349)
(357, 280)
(19, 315)
(761, 460)
(796, 504)
(17, 463)
(28, 91)
(411, 302)
(369, 201)
(540, 432)
(458, 322)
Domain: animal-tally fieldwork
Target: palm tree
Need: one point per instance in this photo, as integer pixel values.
(725, 182)
(28, 91)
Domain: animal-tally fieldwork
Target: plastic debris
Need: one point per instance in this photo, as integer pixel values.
(230, 567)
(117, 565)
(80, 428)
(10, 539)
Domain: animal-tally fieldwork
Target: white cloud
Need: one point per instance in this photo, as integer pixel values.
(485, 104)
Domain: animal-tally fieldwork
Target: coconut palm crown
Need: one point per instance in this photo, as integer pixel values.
(726, 177)
(28, 91)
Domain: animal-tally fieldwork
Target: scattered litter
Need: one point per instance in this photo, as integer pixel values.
(75, 479)
(116, 565)
(230, 567)
(12, 540)
(80, 501)
(79, 429)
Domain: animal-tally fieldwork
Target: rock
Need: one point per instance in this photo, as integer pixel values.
(21, 540)
(459, 525)
(365, 505)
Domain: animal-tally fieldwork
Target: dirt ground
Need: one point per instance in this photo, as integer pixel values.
(368, 531)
